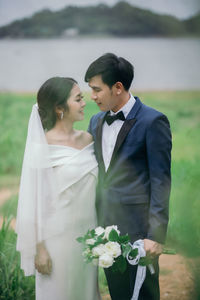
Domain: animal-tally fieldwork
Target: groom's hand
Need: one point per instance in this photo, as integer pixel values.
(43, 261)
(152, 248)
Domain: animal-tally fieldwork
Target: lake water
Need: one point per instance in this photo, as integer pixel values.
(159, 63)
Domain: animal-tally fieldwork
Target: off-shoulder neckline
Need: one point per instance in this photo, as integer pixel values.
(65, 146)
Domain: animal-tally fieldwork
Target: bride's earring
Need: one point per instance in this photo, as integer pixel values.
(61, 115)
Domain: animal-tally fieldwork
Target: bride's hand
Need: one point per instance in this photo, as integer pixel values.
(43, 261)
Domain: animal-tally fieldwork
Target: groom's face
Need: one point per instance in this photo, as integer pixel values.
(102, 94)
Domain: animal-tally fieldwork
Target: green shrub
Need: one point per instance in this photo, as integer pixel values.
(13, 284)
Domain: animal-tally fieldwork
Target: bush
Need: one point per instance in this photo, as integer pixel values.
(13, 284)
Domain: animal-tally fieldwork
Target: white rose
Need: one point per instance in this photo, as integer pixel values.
(113, 249)
(108, 230)
(105, 260)
(90, 241)
(99, 230)
(98, 250)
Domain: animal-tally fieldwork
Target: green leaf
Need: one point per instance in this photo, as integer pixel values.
(87, 236)
(92, 232)
(101, 235)
(168, 251)
(113, 236)
(80, 240)
(100, 240)
(124, 239)
(133, 253)
(126, 248)
(145, 261)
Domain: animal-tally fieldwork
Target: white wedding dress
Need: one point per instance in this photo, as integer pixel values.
(75, 178)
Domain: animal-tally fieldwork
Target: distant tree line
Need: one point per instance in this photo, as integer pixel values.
(122, 20)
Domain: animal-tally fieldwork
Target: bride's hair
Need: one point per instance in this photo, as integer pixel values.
(53, 93)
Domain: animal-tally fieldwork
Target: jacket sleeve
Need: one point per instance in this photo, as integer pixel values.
(90, 127)
(158, 141)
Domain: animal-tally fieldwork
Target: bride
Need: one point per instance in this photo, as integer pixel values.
(57, 195)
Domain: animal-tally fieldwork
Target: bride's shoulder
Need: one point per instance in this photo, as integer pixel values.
(53, 137)
(86, 137)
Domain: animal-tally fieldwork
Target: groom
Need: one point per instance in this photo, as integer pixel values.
(133, 147)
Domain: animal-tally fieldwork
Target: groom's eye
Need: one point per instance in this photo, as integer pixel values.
(96, 89)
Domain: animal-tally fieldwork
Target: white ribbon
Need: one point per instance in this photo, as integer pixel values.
(141, 270)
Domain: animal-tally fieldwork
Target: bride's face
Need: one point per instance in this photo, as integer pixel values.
(75, 105)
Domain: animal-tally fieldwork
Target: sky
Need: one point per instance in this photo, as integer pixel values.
(11, 10)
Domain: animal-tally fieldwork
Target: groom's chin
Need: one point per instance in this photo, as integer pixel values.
(102, 108)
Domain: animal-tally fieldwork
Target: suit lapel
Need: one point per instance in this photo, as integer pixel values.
(126, 127)
(128, 124)
(99, 140)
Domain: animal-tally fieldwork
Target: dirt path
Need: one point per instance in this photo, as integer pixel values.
(175, 280)
(5, 194)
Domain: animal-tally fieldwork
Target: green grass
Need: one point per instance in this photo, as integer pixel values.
(183, 111)
(9, 208)
(13, 284)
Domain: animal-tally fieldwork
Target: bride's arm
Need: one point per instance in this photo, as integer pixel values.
(43, 261)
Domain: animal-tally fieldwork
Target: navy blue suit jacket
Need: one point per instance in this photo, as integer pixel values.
(134, 192)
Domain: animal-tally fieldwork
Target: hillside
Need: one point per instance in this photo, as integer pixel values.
(120, 20)
(193, 25)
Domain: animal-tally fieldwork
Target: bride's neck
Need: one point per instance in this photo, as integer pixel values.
(65, 127)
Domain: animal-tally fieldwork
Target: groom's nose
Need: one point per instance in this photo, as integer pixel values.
(94, 96)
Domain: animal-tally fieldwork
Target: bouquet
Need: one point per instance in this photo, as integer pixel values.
(107, 248)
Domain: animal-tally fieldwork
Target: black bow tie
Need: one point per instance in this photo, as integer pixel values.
(119, 116)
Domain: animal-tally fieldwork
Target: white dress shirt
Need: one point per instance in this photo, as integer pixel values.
(110, 132)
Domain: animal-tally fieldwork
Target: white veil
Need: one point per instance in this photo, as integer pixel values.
(37, 194)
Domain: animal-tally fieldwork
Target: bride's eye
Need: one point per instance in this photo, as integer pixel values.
(79, 99)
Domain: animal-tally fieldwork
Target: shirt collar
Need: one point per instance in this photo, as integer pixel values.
(127, 107)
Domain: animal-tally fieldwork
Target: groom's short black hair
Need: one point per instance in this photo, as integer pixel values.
(112, 69)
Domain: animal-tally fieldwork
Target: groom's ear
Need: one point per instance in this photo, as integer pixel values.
(118, 88)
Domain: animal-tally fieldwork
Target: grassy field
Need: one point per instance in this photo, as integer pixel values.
(183, 111)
